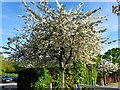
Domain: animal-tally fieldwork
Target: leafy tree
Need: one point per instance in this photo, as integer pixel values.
(113, 55)
(1, 68)
(57, 36)
(7, 64)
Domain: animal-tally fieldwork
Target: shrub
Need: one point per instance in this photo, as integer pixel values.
(27, 78)
(80, 73)
(44, 80)
(34, 79)
(10, 69)
(40, 78)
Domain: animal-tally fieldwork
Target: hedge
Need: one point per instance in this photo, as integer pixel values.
(40, 78)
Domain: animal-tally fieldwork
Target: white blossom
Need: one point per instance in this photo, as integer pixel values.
(107, 67)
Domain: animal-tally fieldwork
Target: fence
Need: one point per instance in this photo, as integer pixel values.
(109, 79)
(88, 87)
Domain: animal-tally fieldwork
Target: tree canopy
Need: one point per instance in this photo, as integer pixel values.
(113, 55)
(7, 65)
(57, 35)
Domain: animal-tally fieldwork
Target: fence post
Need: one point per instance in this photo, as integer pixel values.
(50, 86)
(75, 87)
(93, 81)
(79, 87)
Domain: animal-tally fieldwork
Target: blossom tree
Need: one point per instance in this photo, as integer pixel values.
(57, 36)
(107, 67)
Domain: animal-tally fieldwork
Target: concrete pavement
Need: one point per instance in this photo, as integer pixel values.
(114, 85)
(8, 86)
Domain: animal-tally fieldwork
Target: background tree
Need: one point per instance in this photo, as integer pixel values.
(113, 55)
(57, 36)
(106, 67)
(7, 65)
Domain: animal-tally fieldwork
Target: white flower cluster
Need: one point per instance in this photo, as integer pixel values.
(107, 67)
(60, 34)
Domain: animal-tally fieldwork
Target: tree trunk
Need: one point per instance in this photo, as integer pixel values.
(63, 79)
(104, 78)
(114, 78)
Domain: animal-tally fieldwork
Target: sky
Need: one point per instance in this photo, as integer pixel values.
(10, 21)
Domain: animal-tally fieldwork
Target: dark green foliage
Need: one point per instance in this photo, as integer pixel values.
(57, 82)
(44, 80)
(40, 79)
(113, 55)
(80, 73)
(34, 78)
(27, 78)
(56, 74)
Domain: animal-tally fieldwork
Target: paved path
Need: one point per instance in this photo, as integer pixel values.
(8, 86)
(114, 85)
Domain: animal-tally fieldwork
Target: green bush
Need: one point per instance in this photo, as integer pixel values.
(34, 79)
(40, 78)
(76, 74)
(44, 80)
(57, 82)
(27, 78)
(80, 73)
